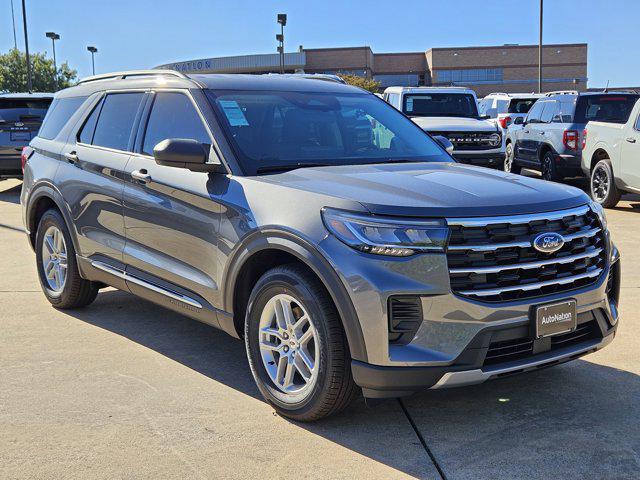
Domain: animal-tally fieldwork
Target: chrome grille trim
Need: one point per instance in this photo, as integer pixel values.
(515, 219)
(494, 246)
(568, 259)
(532, 286)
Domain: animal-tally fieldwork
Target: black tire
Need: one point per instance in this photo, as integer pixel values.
(602, 184)
(334, 388)
(509, 160)
(76, 292)
(549, 168)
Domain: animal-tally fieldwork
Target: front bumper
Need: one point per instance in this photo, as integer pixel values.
(469, 369)
(483, 159)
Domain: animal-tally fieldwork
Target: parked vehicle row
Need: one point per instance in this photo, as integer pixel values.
(312, 219)
(21, 115)
(611, 153)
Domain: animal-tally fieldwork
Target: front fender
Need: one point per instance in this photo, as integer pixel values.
(307, 253)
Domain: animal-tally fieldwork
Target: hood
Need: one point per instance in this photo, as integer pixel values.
(432, 189)
(454, 124)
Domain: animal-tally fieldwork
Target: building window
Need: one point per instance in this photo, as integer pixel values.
(469, 75)
(398, 80)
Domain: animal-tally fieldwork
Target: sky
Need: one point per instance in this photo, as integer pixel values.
(136, 34)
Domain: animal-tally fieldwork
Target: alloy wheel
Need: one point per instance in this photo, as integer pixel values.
(508, 159)
(54, 259)
(600, 184)
(289, 345)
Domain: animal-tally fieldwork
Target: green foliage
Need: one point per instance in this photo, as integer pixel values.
(13, 73)
(362, 82)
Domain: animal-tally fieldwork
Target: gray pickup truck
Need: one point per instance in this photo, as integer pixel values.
(320, 224)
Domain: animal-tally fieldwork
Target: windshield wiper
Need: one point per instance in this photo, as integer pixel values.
(288, 167)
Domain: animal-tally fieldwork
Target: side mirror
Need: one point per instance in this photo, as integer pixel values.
(444, 143)
(183, 153)
(519, 121)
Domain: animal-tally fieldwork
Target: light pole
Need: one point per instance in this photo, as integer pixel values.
(540, 52)
(93, 50)
(282, 20)
(26, 47)
(54, 36)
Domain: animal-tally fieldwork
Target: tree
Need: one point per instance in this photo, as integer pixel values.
(13, 73)
(362, 82)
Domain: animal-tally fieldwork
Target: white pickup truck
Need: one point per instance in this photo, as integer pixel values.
(611, 157)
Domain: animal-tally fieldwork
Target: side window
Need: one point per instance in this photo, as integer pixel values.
(394, 100)
(61, 110)
(535, 112)
(173, 116)
(86, 134)
(116, 119)
(637, 125)
(550, 110)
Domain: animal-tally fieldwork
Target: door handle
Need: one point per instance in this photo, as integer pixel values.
(631, 140)
(141, 176)
(71, 157)
(541, 133)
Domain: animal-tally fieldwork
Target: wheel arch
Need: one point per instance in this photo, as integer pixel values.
(598, 154)
(270, 247)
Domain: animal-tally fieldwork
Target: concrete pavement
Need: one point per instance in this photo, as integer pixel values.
(125, 389)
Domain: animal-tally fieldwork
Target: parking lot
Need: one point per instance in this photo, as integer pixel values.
(124, 389)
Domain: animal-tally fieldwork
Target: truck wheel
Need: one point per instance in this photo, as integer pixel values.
(549, 168)
(603, 185)
(57, 267)
(297, 349)
(509, 157)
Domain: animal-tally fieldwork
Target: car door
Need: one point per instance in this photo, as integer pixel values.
(542, 131)
(91, 174)
(527, 138)
(171, 216)
(630, 156)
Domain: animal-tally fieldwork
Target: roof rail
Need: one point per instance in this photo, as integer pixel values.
(313, 76)
(496, 93)
(562, 92)
(131, 73)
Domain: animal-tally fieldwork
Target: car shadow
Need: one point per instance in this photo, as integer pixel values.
(10, 191)
(503, 425)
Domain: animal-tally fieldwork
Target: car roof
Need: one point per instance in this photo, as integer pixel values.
(516, 95)
(429, 89)
(26, 95)
(172, 79)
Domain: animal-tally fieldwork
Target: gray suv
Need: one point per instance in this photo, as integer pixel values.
(550, 138)
(312, 219)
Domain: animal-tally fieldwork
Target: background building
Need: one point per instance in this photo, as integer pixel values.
(506, 68)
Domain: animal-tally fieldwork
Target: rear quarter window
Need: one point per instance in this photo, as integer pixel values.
(612, 108)
(61, 110)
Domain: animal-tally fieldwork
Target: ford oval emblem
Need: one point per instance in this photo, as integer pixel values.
(548, 242)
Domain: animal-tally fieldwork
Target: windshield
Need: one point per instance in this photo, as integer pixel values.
(521, 105)
(612, 108)
(27, 111)
(440, 105)
(276, 131)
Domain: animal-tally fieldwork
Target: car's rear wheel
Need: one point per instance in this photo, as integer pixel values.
(603, 185)
(296, 345)
(57, 266)
(509, 157)
(549, 168)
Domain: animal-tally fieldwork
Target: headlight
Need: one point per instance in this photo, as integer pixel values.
(494, 139)
(599, 210)
(386, 236)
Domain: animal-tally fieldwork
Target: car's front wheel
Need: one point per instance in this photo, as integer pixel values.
(509, 157)
(57, 266)
(603, 185)
(296, 345)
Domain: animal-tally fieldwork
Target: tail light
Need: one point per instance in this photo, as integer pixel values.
(584, 138)
(24, 157)
(570, 138)
(505, 122)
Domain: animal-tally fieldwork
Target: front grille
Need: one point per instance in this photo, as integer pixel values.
(493, 259)
(522, 348)
(469, 140)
